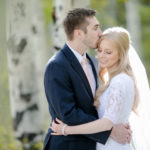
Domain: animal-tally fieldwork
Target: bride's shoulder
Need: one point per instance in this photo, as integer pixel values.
(122, 79)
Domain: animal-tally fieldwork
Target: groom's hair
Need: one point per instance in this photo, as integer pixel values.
(77, 19)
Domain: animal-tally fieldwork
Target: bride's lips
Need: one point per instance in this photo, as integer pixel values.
(103, 62)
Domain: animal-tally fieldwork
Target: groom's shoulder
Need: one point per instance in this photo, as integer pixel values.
(57, 60)
(58, 57)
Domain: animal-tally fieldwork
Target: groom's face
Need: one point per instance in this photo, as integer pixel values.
(93, 33)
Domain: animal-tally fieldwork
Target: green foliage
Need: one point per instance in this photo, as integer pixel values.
(121, 16)
(121, 1)
(145, 21)
(48, 9)
(145, 14)
(37, 146)
(101, 6)
(7, 140)
(147, 2)
(104, 16)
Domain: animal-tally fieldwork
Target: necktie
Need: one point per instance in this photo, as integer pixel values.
(84, 66)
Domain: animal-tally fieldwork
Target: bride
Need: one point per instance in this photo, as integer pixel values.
(117, 99)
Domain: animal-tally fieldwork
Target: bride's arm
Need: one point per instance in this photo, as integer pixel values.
(91, 127)
(87, 128)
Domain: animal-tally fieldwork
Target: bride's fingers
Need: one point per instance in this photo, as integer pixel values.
(53, 129)
(53, 122)
(59, 121)
(53, 133)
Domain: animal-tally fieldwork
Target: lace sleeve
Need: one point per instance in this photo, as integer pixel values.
(118, 99)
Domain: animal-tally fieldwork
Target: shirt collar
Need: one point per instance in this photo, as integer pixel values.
(78, 56)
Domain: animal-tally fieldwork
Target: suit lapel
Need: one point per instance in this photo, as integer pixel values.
(77, 67)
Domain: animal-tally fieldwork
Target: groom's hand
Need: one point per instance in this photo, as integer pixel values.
(121, 133)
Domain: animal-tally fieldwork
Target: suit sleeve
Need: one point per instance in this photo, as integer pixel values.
(60, 95)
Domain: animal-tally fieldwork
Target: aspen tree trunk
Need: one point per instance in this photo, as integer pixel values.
(26, 61)
(60, 9)
(134, 23)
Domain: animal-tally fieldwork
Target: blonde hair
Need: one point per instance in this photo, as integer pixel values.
(121, 38)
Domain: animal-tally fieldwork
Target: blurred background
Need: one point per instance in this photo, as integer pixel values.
(30, 33)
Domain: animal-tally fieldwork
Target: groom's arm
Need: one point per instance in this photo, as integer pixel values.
(59, 90)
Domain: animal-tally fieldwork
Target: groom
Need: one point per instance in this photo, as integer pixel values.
(70, 86)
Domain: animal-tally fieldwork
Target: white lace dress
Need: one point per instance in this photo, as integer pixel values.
(116, 105)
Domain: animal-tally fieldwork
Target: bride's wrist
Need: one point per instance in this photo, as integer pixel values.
(63, 130)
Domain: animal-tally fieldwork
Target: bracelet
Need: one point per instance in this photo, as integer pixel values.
(63, 130)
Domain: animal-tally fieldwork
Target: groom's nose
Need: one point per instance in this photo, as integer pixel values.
(100, 33)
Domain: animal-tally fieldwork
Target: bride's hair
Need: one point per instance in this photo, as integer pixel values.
(121, 38)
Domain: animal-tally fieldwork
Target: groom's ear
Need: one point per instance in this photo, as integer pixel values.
(78, 33)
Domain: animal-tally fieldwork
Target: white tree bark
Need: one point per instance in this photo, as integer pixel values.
(26, 61)
(134, 23)
(61, 7)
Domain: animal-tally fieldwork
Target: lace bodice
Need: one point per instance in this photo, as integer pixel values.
(116, 104)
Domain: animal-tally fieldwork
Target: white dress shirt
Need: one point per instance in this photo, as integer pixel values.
(89, 67)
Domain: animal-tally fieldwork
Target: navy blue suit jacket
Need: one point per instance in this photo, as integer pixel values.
(70, 99)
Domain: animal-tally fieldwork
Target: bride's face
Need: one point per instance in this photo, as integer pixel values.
(108, 54)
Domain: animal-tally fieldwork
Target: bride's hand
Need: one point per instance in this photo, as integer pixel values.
(58, 129)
